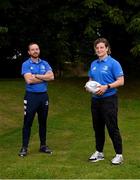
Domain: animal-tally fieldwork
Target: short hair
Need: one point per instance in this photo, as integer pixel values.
(30, 44)
(105, 41)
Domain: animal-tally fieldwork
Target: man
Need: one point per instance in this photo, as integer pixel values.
(36, 73)
(104, 107)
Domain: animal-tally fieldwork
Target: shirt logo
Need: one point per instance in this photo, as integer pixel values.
(94, 68)
(31, 68)
(42, 67)
(105, 68)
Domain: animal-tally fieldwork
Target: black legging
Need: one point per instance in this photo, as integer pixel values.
(104, 112)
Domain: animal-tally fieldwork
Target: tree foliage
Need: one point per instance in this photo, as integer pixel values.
(66, 30)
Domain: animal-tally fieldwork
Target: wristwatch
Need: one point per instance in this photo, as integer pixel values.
(108, 86)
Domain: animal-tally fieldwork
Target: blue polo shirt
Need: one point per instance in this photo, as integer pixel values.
(41, 67)
(105, 71)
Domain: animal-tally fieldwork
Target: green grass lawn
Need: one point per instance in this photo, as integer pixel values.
(70, 134)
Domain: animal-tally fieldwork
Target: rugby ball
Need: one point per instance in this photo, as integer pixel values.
(92, 86)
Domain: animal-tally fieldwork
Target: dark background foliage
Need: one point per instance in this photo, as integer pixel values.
(66, 30)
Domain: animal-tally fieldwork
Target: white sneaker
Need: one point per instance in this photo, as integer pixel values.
(118, 159)
(97, 156)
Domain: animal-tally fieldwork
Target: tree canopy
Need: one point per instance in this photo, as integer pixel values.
(66, 30)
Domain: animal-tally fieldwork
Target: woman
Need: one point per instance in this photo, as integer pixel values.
(104, 107)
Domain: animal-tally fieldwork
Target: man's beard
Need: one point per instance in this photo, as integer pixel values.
(35, 55)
